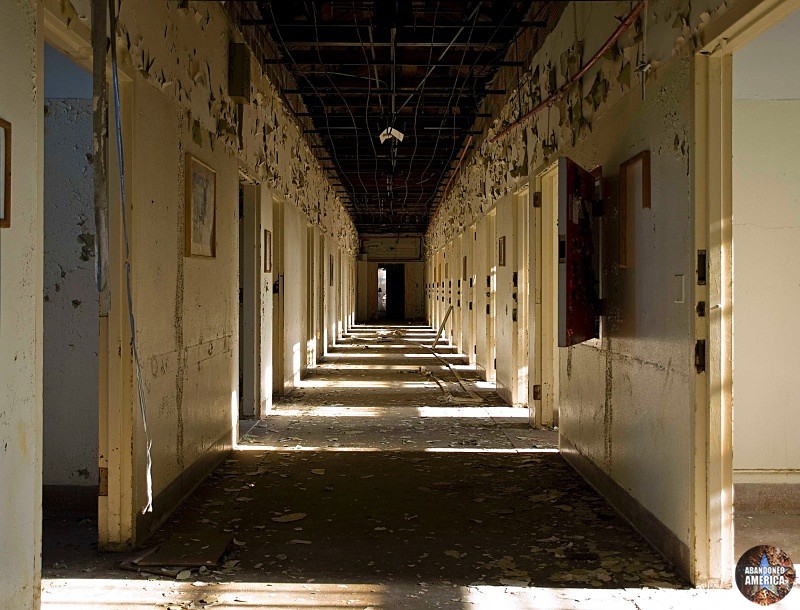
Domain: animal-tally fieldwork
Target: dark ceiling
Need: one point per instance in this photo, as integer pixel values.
(421, 67)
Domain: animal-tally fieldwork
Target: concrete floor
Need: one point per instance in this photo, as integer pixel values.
(404, 492)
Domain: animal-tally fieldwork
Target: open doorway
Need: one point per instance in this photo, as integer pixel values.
(766, 289)
(746, 206)
(395, 293)
(71, 308)
(250, 399)
(275, 250)
(544, 390)
(381, 293)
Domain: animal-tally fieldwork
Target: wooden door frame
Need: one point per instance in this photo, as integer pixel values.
(520, 205)
(278, 326)
(250, 270)
(712, 123)
(116, 522)
(542, 405)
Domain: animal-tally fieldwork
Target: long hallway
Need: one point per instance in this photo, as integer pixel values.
(384, 482)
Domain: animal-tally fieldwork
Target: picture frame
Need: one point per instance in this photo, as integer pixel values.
(267, 251)
(200, 214)
(501, 251)
(5, 174)
(634, 193)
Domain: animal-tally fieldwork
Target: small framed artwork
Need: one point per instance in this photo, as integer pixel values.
(5, 174)
(501, 251)
(634, 193)
(201, 208)
(267, 251)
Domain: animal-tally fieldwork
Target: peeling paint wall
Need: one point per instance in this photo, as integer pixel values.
(186, 307)
(627, 402)
(71, 329)
(21, 256)
(176, 57)
(161, 42)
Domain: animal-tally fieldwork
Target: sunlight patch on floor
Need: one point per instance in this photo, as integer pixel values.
(487, 597)
(138, 594)
(472, 412)
(395, 449)
(111, 594)
(324, 383)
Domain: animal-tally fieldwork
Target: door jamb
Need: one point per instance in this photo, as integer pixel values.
(712, 555)
(538, 415)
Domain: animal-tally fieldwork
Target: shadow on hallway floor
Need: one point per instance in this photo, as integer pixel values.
(397, 488)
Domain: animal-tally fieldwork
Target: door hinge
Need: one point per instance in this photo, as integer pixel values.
(102, 489)
(700, 355)
(537, 199)
(537, 392)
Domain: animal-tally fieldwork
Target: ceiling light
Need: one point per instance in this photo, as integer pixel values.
(391, 132)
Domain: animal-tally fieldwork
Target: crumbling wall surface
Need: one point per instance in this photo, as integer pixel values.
(626, 402)
(70, 297)
(174, 60)
(186, 307)
(21, 48)
(181, 49)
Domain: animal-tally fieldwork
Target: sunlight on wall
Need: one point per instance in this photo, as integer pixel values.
(234, 418)
(296, 363)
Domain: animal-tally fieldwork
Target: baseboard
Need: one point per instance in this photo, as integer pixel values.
(766, 497)
(78, 499)
(767, 476)
(171, 497)
(660, 537)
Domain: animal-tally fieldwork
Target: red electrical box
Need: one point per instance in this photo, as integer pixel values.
(578, 254)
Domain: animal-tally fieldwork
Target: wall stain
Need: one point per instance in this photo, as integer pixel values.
(179, 281)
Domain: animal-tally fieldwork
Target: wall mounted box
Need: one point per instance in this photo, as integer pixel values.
(239, 73)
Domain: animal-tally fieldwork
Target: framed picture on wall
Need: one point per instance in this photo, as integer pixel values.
(201, 208)
(267, 251)
(501, 251)
(5, 174)
(634, 193)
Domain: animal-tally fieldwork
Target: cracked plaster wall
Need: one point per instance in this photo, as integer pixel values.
(176, 56)
(626, 401)
(71, 330)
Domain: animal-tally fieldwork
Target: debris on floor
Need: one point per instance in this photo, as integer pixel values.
(364, 475)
